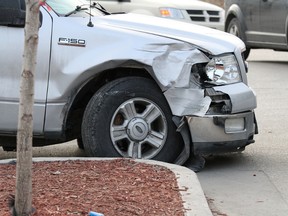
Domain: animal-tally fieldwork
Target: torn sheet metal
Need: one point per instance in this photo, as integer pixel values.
(172, 68)
(172, 63)
(187, 101)
(242, 97)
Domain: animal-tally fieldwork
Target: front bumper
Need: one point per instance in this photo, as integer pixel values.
(222, 133)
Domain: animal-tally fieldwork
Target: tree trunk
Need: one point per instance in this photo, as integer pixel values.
(23, 198)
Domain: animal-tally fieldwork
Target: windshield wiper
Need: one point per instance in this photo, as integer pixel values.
(94, 5)
(100, 8)
(77, 9)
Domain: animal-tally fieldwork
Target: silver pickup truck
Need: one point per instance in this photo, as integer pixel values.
(127, 85)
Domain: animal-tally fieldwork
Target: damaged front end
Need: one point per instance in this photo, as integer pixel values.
(216, 103)
(203, 76)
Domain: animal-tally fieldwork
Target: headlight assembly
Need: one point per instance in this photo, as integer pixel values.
(223, 70)
(171, 13)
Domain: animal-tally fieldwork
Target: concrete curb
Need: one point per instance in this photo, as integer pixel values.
(194, 201)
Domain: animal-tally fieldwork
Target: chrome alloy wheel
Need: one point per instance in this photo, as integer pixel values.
(234, 30)
(138, 129)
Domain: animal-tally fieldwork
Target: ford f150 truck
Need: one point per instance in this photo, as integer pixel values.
(127, 85)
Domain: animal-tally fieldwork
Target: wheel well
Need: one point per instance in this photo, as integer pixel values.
(228, 20)
(72, 125)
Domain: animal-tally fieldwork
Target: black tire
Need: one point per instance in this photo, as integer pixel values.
(80, 143)
(235, 28)
(130, 117)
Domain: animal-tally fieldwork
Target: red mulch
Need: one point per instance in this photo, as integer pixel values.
(111, 187)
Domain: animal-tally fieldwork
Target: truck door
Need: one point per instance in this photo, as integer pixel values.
(11, 48)
(273, 21)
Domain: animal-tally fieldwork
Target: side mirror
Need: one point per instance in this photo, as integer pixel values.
(11, 13)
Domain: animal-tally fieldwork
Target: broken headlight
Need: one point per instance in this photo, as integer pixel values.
(223, 70)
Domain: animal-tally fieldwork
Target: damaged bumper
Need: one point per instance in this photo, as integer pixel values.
(222, 133)
(221, 118)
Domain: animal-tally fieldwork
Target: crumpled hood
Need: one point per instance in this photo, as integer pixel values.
(211, 40)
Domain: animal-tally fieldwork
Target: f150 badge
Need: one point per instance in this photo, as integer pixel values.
(71, 42)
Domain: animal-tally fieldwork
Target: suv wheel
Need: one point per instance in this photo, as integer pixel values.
(234, 28)
(130, 117)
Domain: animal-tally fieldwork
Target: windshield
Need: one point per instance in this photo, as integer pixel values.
(73, 8)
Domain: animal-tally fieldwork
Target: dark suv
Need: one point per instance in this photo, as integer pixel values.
(259, 23)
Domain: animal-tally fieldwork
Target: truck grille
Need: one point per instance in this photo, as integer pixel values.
(204, 15)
